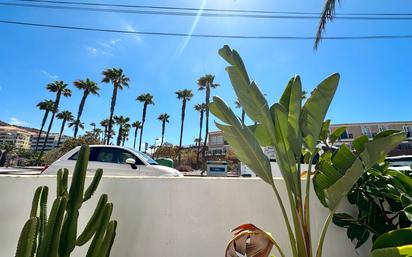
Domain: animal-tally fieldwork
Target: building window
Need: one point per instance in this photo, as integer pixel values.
(367, 131)
(344, 135)
(382, 128)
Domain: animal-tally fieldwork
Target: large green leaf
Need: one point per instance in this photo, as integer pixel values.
(233, 57)
(248, 93)
(291, 100)
(284, 154)
(242, 140)
(315, 109)
(383, 143)
(396, 243)
(261, 134)
(333, 180)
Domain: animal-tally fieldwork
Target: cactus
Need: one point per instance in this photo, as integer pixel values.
(56, 235)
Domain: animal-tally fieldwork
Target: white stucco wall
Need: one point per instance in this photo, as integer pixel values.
(174, 217)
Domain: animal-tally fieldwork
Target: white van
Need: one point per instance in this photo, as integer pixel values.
(114, 160)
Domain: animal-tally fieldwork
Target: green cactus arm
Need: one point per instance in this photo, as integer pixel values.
(43, 213)
(59, 186)
(65, 182)
(99, 236)
(35, 202)
(52, 225)
(55, 236)
(69, 230)
(79, 175)
(68, 233)
(108, 239)
(93, 185)
(27, 239)
(93, 222)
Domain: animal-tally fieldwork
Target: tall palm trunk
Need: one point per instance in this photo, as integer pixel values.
(199, 138)
(181, 127)
(135, 136)
(46, 114)
(163, 131)
(141, 129)
(61, 132)
(119, 136)
(243, 116)
(113, 104)
(79, 113)
(55, 108)
(207, 124)
(123, 140)
(104, 134)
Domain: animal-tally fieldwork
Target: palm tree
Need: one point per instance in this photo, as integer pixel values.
(93, 125)
(97, 132)
(75, 123)
(163, 118)
(238, 105)
(89, 87)
(125, 134)
(119, 81)
(60, 88)
(206, 83)
(184, 95)
(327, 14)
(201, 108)
(104, 123)
(121, 121)
(137, 125)
(47, 106)
(65, 116)
(146, 99)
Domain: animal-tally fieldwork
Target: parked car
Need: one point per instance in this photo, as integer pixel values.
(114, 160)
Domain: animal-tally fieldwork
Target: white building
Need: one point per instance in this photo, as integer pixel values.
(15, 136)
(51, 141)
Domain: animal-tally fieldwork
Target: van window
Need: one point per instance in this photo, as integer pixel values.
(109, 155)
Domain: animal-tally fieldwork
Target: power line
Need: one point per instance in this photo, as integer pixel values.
(191, 14)
(205, 9)
(259, 37)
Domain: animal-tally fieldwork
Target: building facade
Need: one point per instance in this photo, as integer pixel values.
(51, 141)
(370, 129)
(10, 135)
(217, 146)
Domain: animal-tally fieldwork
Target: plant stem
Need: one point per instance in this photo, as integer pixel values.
(307, 206)
(292, 239)
(323, 234)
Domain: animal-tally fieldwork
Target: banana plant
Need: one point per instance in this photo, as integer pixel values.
(396, 243)
(294, 129)
(55, 235)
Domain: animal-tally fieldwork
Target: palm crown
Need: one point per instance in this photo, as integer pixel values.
(185, 94)
(46, 105)
(116, 77)
(59, 86)
(65, 115)
(200, 107)
(207, 81)
(120, 120)
(164, 117)
(137, 124)
(145, 98)
(89, 86)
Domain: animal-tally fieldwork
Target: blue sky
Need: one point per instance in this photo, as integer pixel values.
(375, 84)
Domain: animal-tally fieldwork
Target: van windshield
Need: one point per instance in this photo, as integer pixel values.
(145, 156)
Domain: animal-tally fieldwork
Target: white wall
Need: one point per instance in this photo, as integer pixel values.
(174, 217)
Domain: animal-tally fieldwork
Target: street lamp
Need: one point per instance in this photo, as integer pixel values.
(154, 145)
